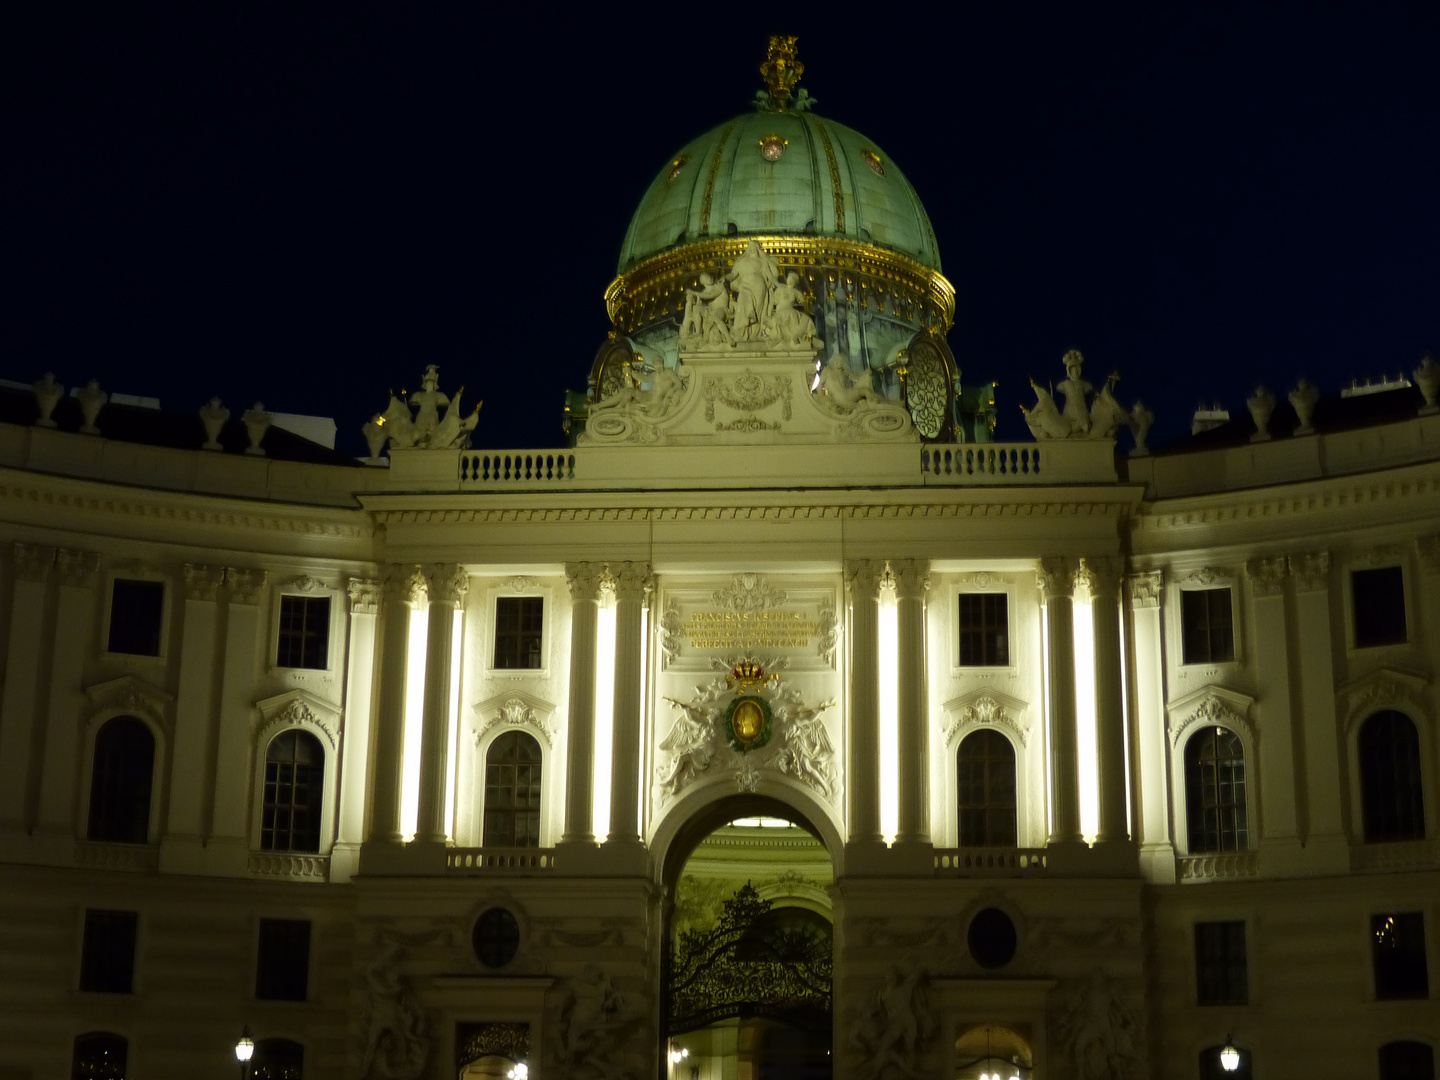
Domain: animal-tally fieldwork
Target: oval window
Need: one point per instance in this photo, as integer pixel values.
(496, 938)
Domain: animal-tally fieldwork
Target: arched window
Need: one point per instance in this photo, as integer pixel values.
(99, 1055)
(1407, 1061)
(985, 790)
(294, 785)
(1390, 790)
(1215, 791)
(120, 782)
(278, 1059)
(512, 791)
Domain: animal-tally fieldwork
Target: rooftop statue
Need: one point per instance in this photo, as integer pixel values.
(1082, 418)
(427, 429)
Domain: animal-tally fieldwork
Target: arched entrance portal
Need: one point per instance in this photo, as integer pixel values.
(749, 953)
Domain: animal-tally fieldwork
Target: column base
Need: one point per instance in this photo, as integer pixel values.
(1157, 863)
(1282, 856)
(912, 858)
(867, 858)
(182, 853)
(344, 861)
(383, 858)
(1327, 854)
(618, 859)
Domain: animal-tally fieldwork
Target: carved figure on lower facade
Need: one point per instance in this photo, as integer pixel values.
(1100, 1030)
(396, 1046)
(690, 745)
(843, 392)
(593, 1028)
(808, 755)
(891, 1032)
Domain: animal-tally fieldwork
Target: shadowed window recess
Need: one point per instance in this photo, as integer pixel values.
(496, 938)
(1208, 627)
(137, 614)
(120, 782)
(1221, 974)
(1397, 950)
(512, 791)
(282, 960)
(1391, 792)
(278, 1059)
(519, 622)
(294, 790)
(303, 640)
(984, 630)
(99, 1055)
(985, 790)
(1407, 1060)
(1215, 791)
(1378, 599)
(107, 958)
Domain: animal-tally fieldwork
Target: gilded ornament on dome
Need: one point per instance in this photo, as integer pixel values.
(772, 147)
(872, 159)
(781, 70)
(926, 391)
(676, 166)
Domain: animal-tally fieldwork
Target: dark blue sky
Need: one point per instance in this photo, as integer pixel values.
(309, 206)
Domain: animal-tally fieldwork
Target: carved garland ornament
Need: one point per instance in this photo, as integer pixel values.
(1212, 710)
(748, 392)
(984, 711)
(517, 713)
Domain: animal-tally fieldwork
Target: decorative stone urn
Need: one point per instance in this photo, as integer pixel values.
(1427, 377)
(48, 393)
(1261, 405)
(213, 415)
(1303, 399)
(257, 422)
(92, 399)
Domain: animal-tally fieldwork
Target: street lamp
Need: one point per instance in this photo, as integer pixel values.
(243, 1049)
(520, 1072)
(1229, 1057)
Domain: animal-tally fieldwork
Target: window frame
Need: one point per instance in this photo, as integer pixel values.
(319, 808)
(289, 917)
(551, 784)
(135, 967)
(334, 646)
(1015, 758)
(484, 783)
(1428, 776)
(159, 779)
(1030, 821)
(990, 582)
(1218, 918)
(126, 572)
(329, 795)
(1240, 725)
(1205, 580)
(519, 588)
(1211, 730)
(1206, 590)
(1427, 932)
(1407, 594)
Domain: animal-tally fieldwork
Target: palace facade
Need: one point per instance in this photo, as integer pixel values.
(783, 725)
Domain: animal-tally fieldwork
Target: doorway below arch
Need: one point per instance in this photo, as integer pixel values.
(994, 1050)
(749, 948)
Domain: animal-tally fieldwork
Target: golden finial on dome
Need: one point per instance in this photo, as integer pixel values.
(781, 70)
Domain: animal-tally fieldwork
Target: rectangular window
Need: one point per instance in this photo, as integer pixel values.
(518, 622)
(1397, 943)
(107, 957)
(1221, 977)
(282, 963)
(984, 630)
(304, 638)
(1208, 626)
(137, 610)
(1378, 598)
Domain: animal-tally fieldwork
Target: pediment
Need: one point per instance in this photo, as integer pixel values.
(1385, 687)
(299, 707)
(133, 693)
(1214, 704)
(514, 708)
(987, 705)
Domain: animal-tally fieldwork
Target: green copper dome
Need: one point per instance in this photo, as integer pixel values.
(775, 173)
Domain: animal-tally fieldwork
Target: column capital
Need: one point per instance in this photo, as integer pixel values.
(1267, 576)
(78, 569)
(585, 580)
(203, 582)
(403, 584)
(630, 580)
(911, 578)
(1145, 588)
(447, 583)
(364, 596)
(1055, 578)
(863, 578)
(33, 561)
(1428, 547)
(1100, 576)
(1311, 570)
(245, 585)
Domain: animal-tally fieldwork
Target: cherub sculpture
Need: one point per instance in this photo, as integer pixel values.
(843, 391)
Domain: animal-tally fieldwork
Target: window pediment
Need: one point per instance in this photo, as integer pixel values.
(1385, 687)
(132, 694)
(514, 708)
(1211, 704)
(986, 706)
(298, 707)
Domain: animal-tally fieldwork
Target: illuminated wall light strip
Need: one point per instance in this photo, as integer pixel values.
(1131, 772)
(1086, 748)
(414, 712)
(1046, 815)
(646, 696)
(452, 785)
(604, 717)
(889, 717)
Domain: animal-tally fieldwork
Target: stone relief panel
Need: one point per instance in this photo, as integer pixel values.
(701, 621)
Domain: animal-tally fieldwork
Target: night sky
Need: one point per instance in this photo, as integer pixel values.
(309, 206)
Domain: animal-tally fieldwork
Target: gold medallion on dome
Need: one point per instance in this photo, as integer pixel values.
(772, 147)
(872, 159)
(676, 166)
(748, 722)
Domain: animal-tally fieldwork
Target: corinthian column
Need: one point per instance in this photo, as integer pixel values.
(1055, 582)
(1152, 748)
(862, 581)
(912, 579)
(1103, 581)
(630, 581)
(584, 580)
(448, 584)
(354, 752)
(31, 570)
(404, 586)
